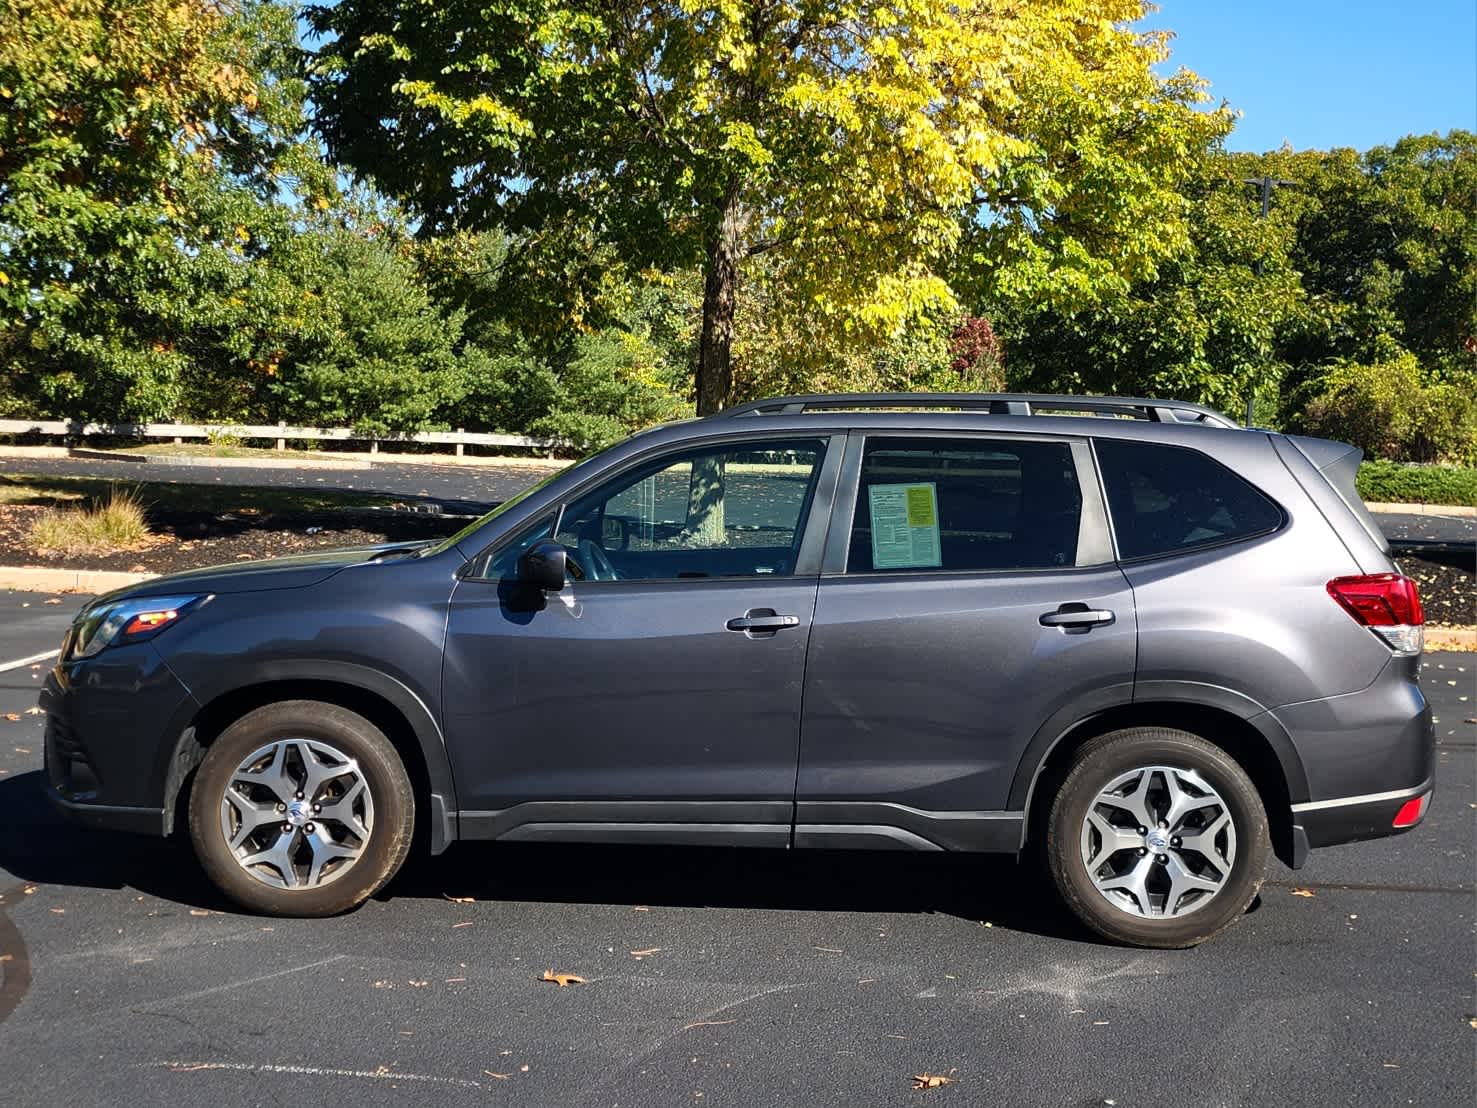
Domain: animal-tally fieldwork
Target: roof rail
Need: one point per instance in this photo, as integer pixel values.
(996, 403)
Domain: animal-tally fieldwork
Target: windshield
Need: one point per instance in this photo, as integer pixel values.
(511, 502)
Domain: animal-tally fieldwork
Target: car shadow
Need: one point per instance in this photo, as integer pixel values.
(39, 845)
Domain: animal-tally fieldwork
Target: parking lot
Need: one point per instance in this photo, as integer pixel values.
(719, 977)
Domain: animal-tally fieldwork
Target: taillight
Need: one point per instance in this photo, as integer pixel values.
(1388, 604)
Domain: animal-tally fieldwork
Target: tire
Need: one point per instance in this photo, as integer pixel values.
(1159, 884)
(317, 801)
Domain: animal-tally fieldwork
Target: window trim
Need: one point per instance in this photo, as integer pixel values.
(1094, 544)
(813, 524)
(1284, 517)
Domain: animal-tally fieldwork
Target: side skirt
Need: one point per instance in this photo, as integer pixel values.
(837, 825)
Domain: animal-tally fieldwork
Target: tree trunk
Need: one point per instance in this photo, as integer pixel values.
(715, 355)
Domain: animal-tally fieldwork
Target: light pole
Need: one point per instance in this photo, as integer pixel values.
(1267, 184)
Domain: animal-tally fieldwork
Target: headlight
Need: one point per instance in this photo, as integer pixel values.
(126, 621)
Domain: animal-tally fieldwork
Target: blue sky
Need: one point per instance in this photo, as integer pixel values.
(1326, 73)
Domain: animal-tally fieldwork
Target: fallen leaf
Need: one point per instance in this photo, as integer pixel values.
(14, 717)
(54, 600)
(460, 899)
(29, 889)
(499, 1076)
(523, 1068)
(1303, 892)
(647, 953)
(1474, 1024)
(6, 957)
(383, 985)
(23, 750)
(931, 1080)
(563, 979)
(33, 711)
(58, 911)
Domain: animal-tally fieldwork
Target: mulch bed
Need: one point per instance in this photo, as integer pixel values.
(189, 540)
(1448, 592)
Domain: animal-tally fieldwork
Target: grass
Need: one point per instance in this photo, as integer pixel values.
(21, 488)
(1396, 483)
(99, 527)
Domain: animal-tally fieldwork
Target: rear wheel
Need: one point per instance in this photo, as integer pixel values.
(1157, 838)
(301, 809)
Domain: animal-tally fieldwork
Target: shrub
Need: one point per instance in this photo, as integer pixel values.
(1393, 483)
(102, 527)
(1389, 411)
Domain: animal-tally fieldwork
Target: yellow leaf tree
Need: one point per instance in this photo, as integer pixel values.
(884, 154)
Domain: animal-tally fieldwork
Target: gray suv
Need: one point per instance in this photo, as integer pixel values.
(1127, 637)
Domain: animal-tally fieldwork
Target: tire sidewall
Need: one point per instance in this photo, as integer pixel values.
(1117, 753)
(384, 775)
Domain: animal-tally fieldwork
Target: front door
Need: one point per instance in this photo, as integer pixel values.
(972, 596)
(663, 688)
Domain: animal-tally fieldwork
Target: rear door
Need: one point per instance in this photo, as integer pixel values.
(968, 594)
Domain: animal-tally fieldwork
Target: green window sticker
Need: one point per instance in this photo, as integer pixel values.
(905, 530)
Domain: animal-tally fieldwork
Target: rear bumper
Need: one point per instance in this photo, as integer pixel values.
(1353, 818)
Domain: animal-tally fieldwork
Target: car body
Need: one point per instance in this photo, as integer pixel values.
(854, 622)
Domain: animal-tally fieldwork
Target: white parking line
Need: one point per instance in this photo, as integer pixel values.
(27, 661)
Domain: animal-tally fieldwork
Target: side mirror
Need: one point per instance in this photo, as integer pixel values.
(546, 565)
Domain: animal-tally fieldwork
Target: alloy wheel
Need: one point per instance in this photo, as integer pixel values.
(1158, 842)
(297, 813)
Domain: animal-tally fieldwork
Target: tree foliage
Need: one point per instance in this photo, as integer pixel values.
(858, 144)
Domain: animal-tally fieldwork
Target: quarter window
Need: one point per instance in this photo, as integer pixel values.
(964, 504)
(1167, 499)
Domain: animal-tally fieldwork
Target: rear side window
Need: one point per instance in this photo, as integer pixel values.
(964, 504)
(1167, 499)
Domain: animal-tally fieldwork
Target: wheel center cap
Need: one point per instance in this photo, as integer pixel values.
(299, 812)
(1157, 840)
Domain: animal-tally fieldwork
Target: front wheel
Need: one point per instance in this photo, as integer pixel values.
(1157, 838)
(301, 808)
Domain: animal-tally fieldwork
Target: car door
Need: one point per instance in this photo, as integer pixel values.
(968, 594)
(660, 695)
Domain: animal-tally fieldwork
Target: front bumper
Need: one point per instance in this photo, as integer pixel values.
(111, 728)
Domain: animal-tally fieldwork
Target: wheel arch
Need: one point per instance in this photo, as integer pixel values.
(386, 702)
(1256, 741)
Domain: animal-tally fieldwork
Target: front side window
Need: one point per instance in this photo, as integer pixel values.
(965, 504)
(726, 511)
(1168, 499)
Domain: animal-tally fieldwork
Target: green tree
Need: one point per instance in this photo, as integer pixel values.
(856, 145)
(1205, 328)
(134, 135)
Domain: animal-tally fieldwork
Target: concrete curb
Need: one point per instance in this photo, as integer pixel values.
(1460, 638)
(207, 462)
(48, 579)
(355, 461)
(1462, 511)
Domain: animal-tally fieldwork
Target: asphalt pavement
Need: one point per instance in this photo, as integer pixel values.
(744, 978)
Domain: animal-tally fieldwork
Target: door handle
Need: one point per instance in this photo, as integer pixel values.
(762, 619)
(1077, 615)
